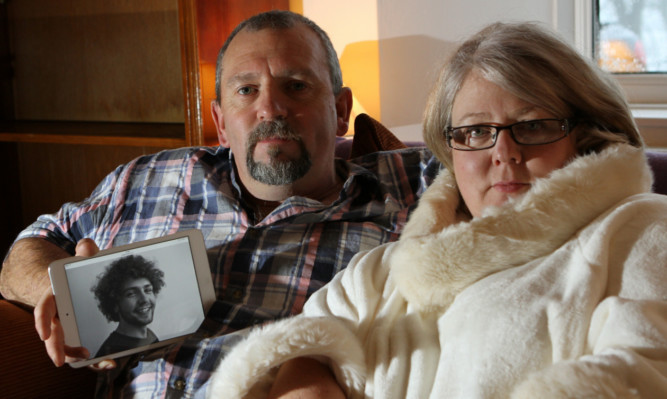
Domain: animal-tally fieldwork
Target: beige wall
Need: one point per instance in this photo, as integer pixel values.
(398, 45)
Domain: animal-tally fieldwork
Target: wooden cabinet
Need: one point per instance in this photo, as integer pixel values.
(87, 85)
(97, 72)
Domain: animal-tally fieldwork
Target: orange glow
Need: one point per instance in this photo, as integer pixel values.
(360, 63)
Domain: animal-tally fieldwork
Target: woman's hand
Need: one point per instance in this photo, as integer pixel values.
(51, 331)
(305, 378)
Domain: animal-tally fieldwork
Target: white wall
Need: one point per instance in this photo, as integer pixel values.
(414, 37)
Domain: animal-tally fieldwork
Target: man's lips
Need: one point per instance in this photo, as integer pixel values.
(273, 140)
(510, 187)
(144, 309)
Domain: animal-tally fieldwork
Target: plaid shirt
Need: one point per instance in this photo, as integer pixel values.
(262, 269)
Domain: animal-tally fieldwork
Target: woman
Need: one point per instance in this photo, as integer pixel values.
(533, 267)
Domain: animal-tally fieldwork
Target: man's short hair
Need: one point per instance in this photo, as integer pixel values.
(280, 19)
(107, 290)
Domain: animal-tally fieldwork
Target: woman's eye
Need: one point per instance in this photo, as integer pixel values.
(477, 131)
(533, 125)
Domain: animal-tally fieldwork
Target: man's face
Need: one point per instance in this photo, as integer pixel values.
(278, 112)
(137, 302)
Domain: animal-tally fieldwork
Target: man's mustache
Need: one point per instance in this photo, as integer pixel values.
(272, 130)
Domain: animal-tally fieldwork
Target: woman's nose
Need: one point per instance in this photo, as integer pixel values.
(506, 150)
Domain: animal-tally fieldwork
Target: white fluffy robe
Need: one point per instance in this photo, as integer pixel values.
(561, 293)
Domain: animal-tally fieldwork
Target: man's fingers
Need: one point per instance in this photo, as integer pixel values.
(48, 325)
(75, 354)
(44, 313)
(86, 247)
(46, 310)
(55, 344)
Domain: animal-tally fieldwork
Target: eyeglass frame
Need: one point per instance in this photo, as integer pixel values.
(567, 123)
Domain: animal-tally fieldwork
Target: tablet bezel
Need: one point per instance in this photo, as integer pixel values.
(66, 307)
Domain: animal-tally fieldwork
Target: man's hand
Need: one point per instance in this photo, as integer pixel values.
(51, 331)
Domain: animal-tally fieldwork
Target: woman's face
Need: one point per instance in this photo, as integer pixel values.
(490, 177)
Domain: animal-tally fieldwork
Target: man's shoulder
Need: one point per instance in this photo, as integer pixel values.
(179, 158)
(412, 162)
(185, 153)
(401, 173)
(411, 155)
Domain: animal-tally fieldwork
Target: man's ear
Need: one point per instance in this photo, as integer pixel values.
(219, 121)
(343, 110)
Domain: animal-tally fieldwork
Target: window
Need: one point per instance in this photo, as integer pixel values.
(646, 89)
(628, 38)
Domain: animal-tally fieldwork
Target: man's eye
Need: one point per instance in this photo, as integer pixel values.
(245, 90)
(297, 86)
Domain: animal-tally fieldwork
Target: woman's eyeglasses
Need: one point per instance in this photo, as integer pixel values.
(534, 132)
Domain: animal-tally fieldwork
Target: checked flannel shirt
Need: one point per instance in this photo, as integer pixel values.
(262, 269)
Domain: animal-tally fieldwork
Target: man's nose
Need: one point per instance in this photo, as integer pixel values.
(272, 104)
(143, 297)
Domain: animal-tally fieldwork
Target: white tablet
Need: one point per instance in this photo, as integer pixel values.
(134, 297)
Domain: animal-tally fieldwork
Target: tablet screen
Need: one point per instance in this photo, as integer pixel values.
(136, 297)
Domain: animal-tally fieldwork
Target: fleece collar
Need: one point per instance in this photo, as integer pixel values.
(440, 253)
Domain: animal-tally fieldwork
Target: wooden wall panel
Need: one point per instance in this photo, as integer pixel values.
(10, 200)
(97, 60)
(52, 174)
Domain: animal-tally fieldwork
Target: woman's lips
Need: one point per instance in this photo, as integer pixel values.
(511, 187)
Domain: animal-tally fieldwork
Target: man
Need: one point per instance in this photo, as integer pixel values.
(126, 294)
(280, 216)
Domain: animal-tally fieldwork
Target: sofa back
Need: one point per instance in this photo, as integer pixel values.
(658, 162)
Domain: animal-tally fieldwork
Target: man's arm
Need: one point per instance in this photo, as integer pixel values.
(24, 276)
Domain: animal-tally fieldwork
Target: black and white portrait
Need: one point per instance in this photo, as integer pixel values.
(134, 298)
(126, 294)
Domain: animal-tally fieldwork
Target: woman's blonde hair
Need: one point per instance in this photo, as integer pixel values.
(538, 67)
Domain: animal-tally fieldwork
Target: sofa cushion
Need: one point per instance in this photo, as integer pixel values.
(658, 162)
(372, 136)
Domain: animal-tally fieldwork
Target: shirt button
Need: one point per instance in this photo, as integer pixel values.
(237, 294)
(179, 384)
